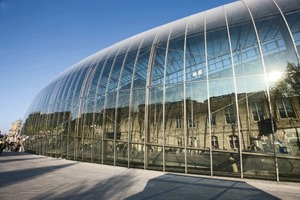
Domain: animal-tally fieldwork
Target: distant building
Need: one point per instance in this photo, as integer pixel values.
(215, 93)
(14, 137)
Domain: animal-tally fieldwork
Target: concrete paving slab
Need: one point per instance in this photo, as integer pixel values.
(28, 176)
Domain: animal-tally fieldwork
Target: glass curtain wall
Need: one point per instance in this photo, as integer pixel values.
(197, 115)
(288, 106)
(216, 93)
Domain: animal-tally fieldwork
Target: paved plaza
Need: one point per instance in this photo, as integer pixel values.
(28, 176)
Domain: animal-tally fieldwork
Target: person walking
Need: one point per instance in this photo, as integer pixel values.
(1, 147)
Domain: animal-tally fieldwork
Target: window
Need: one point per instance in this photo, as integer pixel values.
(214, 142)
(230, 119)
(257, 111)
(191, 121)
(285, 108)
(213, 120)
(178, 121)
(179, 141)
(234, 141)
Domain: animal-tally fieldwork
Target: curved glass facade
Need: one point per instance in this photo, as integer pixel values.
(216, 93)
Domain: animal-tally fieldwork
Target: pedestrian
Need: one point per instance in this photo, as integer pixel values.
(1, 147)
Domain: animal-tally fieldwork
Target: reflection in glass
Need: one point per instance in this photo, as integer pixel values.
(215, 94)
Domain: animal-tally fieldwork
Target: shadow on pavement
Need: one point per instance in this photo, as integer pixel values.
(17, 160)
(109, 189)
(84, 181)
(11, 177)
(172, 186)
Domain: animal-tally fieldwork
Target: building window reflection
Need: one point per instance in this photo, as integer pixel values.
(214, 142)
(230, 118)
(191, 121)
(213, 120)
(179, 141)
(257, 111)
(234, 141)
(178, 121)
(285, 108)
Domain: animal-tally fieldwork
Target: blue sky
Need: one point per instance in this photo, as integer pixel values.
(41, 38)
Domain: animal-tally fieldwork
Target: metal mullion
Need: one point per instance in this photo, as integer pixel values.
(164, 96)
(208, 95)
(184, 97)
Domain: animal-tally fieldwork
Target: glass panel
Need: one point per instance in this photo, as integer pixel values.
(137, 155)
(174, 120)
(123, 114)
(137, 130)
(282, 70)
(293, 20)
(249, 80)
(109, 124)
(222, 101)
(288, 167)
(155, 111)
(259, 166)
(174, 158)
(226, 163)
(156, 127)
(137, 109)
(108, 149)
(122, 154)
(77, 129)
(198, 157)
(96, 146)
(155, 158)
(82, 129)
(258, 8)
(288, 6)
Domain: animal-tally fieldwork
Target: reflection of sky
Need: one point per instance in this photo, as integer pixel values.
(246, 57)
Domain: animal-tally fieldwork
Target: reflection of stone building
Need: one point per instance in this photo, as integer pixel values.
(216, 93)
(14, 137)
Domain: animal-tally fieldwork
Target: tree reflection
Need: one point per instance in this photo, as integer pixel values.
(289, 87)
(289, 84)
